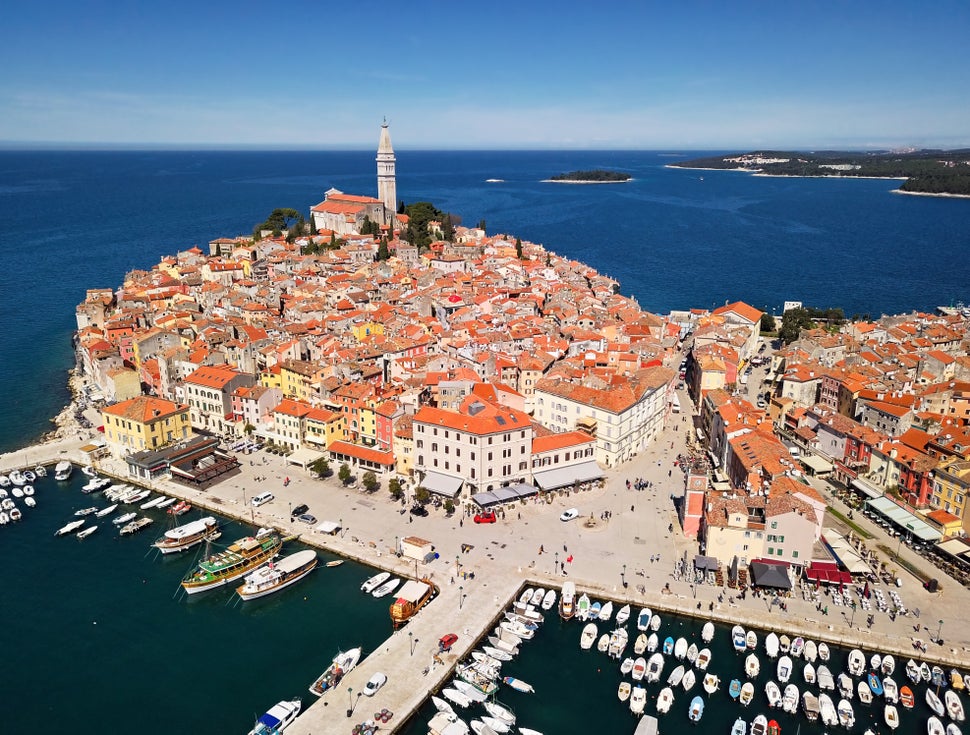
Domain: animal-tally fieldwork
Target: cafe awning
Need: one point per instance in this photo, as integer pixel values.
(440, 484)
(564, 476)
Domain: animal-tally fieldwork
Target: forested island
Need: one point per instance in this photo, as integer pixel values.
(596, 176)
(925, 171)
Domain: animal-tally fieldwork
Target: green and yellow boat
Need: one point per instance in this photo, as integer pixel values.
(241, 557)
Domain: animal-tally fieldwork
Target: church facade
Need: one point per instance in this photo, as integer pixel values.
(345, 213)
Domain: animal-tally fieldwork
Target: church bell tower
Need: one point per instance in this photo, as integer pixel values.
(386, 184)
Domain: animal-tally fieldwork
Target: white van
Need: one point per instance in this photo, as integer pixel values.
(261, 498)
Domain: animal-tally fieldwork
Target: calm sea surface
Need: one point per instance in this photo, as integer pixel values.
(70, 221)
(96, 627)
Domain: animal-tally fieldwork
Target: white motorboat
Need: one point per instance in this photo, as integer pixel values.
(4, 518)
(891, 716)
(810, 705)
(638, 700)
(153, 503)
(751, 640)
(655, 622)
(62, 470)
(17, 492)
(69, 528)
(652, 642)
(40, 470)
(137, 497)
(934, 726)
(665, 700)
(497, 653)
(823, 651)
(954, 707)
(875, 662)
(810, 652)
(588, 636)
(844, 683)
(752, 666)
(15, 514)
(106, 511)
(623, 691)
(17, 478)
(89, 470)
(655, 665)
(537, 596)
(30, 502)
(280, 716)
(890, 691)
(86, 511)
(167, 502)
(692, 652)
(797, 646)
(784, 644)
(627, 666)
(526, 595)
(690, 678)
(643, 619)
(606, 611)
(759, 725)
(712, 682)
(494, 724)
(773, 693)
(387, 588)
(784, 669)
(582, 607)
(827, 710)
(747, 694)
(499, 712)
(4, 482)
(789, 701)
(549, 599)
(846, 714)
(857, 662)
(703, 659)
(618, 641)
(374, 582)
(825, 678)
(517, 629)
(738, 638)
(441, 705)
(28, 491)
(123, 519)
(83, 534)
(707, 632)
(934, 702)
(623, 615)
(888, 664)
(603, 643)
(639, 668)
(676, 676)
(740, 727)
(680, 648)
(343, 663)
(865, 693)
(951, 728)
(567, 601)
(808, 674)
(456, 697)
(640, 644)
(95, 484)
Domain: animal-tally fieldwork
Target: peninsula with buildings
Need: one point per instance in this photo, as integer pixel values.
(495, 382)
(923, 171)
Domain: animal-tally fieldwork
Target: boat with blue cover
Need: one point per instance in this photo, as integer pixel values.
(734, 689)
(277, 718)
(874, 683)
(696, 710)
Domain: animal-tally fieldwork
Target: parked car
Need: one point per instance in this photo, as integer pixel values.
(306, 518)
(261, 498)
(419, 510)
(569, 515)
(486, 517)
(446, 642)
(376, 682)
(299, 510)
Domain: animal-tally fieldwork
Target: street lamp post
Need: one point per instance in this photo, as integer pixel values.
(457, 565)
(939, 632)
(411, 641)
(343, 531)
(623, 576)
(852, 621)
(350, 697)
(555, 563)
(460, 596)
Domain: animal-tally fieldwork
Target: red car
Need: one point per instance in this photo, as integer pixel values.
(446, 642)
(486, 517)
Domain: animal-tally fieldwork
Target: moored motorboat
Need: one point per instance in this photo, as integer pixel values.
(618, 642)
(906, 697)
(277, 718)
(690, 678)
(343, 663)
(69, 528)
(696, 710)
(810, 706)
(456, 697)
(106, 511)
(891, 716)
(759, 725)
(498, 654)
(623, 691)
(747, 693)
(954, 707)
(810, 652)
(889, 690)
(84, 533)
(934, 702)
(653, 641)
(638, 700)
(623, 615)
(772, 693)
(655, 622)
(865, 693)
(567, 601)
(668, 646)
(956, 680)
(846, 713)
(135, 526)
(692, 652)
(874, 683)
(703, 659)
(372, 583)
(639, 668)
(825, 679)
(823, 651)
(665, 699)
(751, 640)
(603, 643)
(537, 596)
(856, 663)
(582, 607)
(827, 711)
(472, 692)
(934, 726)
(784, 644)
(707, 632)
(499, 712)
(643, 619)
(86, 511)
(62, 470)
(518, 685)
(845, 685)
(680, 648)
(277, 576)
(784, 669)
(30, 502)
(188, 535)
(167, 502)
(123, 519)
(549, 599)
(734, 688)
(771, 645)
(640, 644)
(789, 701)
(386, 588)
(752, 666)
(676, 676)
(712, 683)
(797, 646)
(606, 611)
(808, 674)
(888, 665)
(410, 599)
(588, 636)
(655, 665)
(738, 638)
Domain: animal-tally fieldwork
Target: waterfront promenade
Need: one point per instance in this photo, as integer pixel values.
(504, 556)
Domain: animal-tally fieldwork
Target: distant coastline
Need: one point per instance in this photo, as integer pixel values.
(931, 194)
(590, 176)
(583, 181)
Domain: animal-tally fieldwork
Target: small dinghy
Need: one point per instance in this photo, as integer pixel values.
(627, 666)
(652, 643)
(808, 674)
(374, 582)
(639, 668)
(623, 691)
(891, 716)
(740, 727)
(865, 693)
(680, 648)
(810, 652)
(622, 616)
(707, 632)
(655, 623)
(712, 683)
(664, 700)
(603, 643)
(692, 652)
(747, 693)
(906, 697)
(640, 644)
(752, 666)
(690, 678)
(773, 693)
(751, 640)
(823, 651)
(676, 676)
(703, 659)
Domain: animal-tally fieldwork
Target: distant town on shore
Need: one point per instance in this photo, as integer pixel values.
(441, 358)
(924, 171)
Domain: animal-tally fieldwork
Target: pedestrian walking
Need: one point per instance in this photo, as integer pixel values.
(631, 508)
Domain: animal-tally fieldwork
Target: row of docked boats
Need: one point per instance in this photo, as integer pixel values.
(410, 596)
(478, 677)
(20, 478)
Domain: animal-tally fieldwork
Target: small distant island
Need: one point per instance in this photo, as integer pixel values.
(929, 172)
(596, 176)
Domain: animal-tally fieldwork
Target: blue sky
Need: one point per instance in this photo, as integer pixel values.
(655, 75)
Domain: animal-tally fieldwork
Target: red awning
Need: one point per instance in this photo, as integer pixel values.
(825, 573)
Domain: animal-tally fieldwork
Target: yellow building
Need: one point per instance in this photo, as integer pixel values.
(366, 329)
(298, 379)
(951, 483)
(144, 422)
(324, 427)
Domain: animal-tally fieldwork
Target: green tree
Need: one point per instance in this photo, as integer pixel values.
(447, 228)
(518, 248)
(248, 429)
(371, 483)
(383, 253)
(320, 467)
(422, 494)
(449, 506)
(481, 225)
(343, 474)
(280, 219)
(394, 488)
(768, 323)
(793, 322)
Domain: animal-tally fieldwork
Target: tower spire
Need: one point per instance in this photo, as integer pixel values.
(386, 183)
